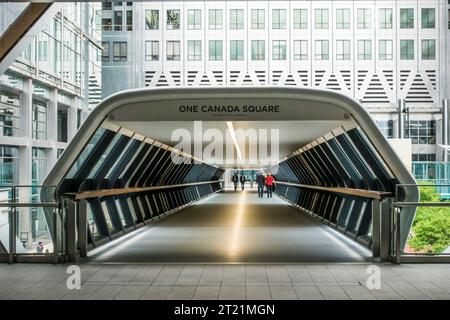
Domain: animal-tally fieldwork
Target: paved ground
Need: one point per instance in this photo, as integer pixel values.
(211, 281)
(235, 227)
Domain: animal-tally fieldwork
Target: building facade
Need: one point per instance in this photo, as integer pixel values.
(44, 96)
(392, 56)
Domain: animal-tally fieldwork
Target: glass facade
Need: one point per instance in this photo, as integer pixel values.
(422, 131)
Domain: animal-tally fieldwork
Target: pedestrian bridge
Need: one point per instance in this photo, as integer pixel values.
(134, 194)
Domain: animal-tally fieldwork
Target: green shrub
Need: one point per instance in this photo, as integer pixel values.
(431, 227)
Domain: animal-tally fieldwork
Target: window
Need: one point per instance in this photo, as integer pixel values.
(194, 19)
(118, 20)
(105, 51)
(215, 19)
(300, 19)
(215, 50)
(342, 49)
(279, 50)
(119, 51)
(173, 20)
(9, 165)
(421, 131)
(258, 50)
(236, 19)
(173, 50)
(364, 49)
(278, 19)
(385, 52)
(428, 49)
(385, 18)
(407, 18)
(194, 50)
(425, 157)
(406, 49)
(151, 19)
(38, 166)
(364, 17)
(9, 114)
(428, 18)
(39, 119)
(448, 18)
(107, 24)
(129, 20)
(321, 21)
(152, 50)
(258, 19)
(42, 50)
(300, 50)
(386, 127)
(342, 18)
(322, 52)
(62, 125)
(106, 5)
(236, 50)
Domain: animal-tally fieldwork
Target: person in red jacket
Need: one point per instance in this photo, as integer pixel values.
(270, 182)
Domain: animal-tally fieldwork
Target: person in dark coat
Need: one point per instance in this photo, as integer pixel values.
(260, 181)
(242, 179)
(235, 180)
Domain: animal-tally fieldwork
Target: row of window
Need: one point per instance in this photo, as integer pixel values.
(419, 131)
(279, 50)
(364, 19)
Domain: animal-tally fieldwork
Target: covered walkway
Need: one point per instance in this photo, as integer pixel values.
(234, 227)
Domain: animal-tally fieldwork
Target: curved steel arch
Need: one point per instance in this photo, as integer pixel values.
(154, 104)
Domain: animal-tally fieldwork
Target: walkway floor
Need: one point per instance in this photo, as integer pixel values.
(213, 281)
(234, 227)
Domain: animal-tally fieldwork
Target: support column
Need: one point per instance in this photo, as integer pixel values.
(52, 126)
(82, 227)
(376, 228)
(401, 120)
(25, 158)
(71, 221)
(385, 231)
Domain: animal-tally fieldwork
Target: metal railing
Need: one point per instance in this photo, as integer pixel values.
(17, 202)
(398, 251)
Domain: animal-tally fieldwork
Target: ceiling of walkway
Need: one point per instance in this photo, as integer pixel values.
(292, 135)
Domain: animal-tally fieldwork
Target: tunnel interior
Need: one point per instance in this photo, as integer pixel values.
(132, 172)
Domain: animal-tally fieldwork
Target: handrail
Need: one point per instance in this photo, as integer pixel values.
(29, 205)
(398, 214)
(122, 191)
(371, 194)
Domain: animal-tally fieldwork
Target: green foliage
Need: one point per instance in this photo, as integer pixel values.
(431, 227)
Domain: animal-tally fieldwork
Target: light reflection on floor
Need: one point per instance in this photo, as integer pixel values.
(235, 227)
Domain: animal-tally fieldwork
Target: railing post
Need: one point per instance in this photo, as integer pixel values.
(385, 232)
(12, 228)
(57, 234)
(82, 227)
(376, 227)
(397, 237)
(71, 246)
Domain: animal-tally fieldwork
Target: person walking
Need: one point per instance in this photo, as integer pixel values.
(235, 180)
(260, 181)
(270, 182)
(242, 179)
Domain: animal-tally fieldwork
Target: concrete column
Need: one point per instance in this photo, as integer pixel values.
(72, 118)
(401, 120)
(25, 158)
(52, 126)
